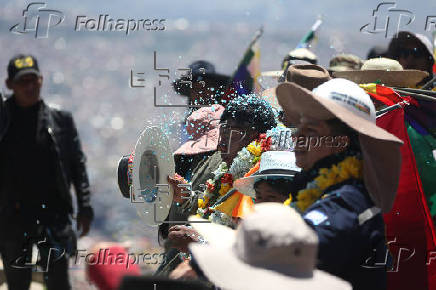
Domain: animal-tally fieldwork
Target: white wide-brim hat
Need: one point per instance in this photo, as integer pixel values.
(273, 165)
(273, 248)
(152, 163)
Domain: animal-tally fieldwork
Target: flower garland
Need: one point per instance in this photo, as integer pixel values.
(247, 160)
(349, 168)
(224, 176)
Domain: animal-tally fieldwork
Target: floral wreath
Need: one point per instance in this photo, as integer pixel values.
(245, 163)
(349, 168)
(223, 179)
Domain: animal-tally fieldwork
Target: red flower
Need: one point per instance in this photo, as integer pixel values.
(261, 137)
(265, 144)
(227, 178)
(210, 187)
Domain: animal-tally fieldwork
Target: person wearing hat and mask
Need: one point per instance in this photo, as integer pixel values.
(343, 190)
(41, 156)
(203, 126)
(203, 86)
(413, 51)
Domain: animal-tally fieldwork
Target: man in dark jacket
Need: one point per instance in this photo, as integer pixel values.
(41, 156)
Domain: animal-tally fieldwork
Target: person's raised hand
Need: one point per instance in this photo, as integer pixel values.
(174, 182)
(180, 236)
(183, 271)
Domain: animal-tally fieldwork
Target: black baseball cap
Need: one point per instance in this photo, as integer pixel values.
(22, 64)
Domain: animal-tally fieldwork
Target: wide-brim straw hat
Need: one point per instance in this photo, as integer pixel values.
(384, 71)
(345, 100)
(272, 248)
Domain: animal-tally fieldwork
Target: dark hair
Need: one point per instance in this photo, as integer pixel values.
(339, 128)
(250, 110)
(281, 185)
(377, 51)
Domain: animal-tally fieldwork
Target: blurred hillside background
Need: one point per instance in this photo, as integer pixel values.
(88, 72)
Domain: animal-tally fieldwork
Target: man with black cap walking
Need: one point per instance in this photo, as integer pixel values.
(41, 156)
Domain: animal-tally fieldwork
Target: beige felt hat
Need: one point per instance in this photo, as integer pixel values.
(345, 100)
(273, 248)
(308, 76)
(384, 70)
(345, 62)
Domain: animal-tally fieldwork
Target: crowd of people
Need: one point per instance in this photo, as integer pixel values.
(293, 181)
(278, 149)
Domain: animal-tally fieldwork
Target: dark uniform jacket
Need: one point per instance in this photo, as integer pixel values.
(58, 128)
(351, 236)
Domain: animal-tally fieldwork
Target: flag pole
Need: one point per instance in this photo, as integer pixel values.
(302, 44)
(256, 37)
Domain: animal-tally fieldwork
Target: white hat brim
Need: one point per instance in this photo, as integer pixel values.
(245, 184)
(153, 141)
(215, 234)
(224, 269)
(400, 78)
(272, 73)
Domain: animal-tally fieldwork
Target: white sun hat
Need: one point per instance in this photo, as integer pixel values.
(273, 248)
(273, 164)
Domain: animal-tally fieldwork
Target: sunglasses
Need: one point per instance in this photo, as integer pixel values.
(415, 52)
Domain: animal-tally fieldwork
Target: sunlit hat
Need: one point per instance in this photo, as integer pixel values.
(273, 164)
(298, 56)
(153, 161)
(345, 100)
(385, 71)
(302, 53)
(203, 126)
(345, 62)
(308, 76)
(272, 248)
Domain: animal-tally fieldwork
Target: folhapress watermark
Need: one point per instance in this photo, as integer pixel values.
(38, 20)
(107, 23)
(105, 257)
(388, 19)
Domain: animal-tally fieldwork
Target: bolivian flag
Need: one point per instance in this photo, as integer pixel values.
(244, 79)
(410, 231)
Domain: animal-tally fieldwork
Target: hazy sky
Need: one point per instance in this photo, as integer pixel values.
(88, 72)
